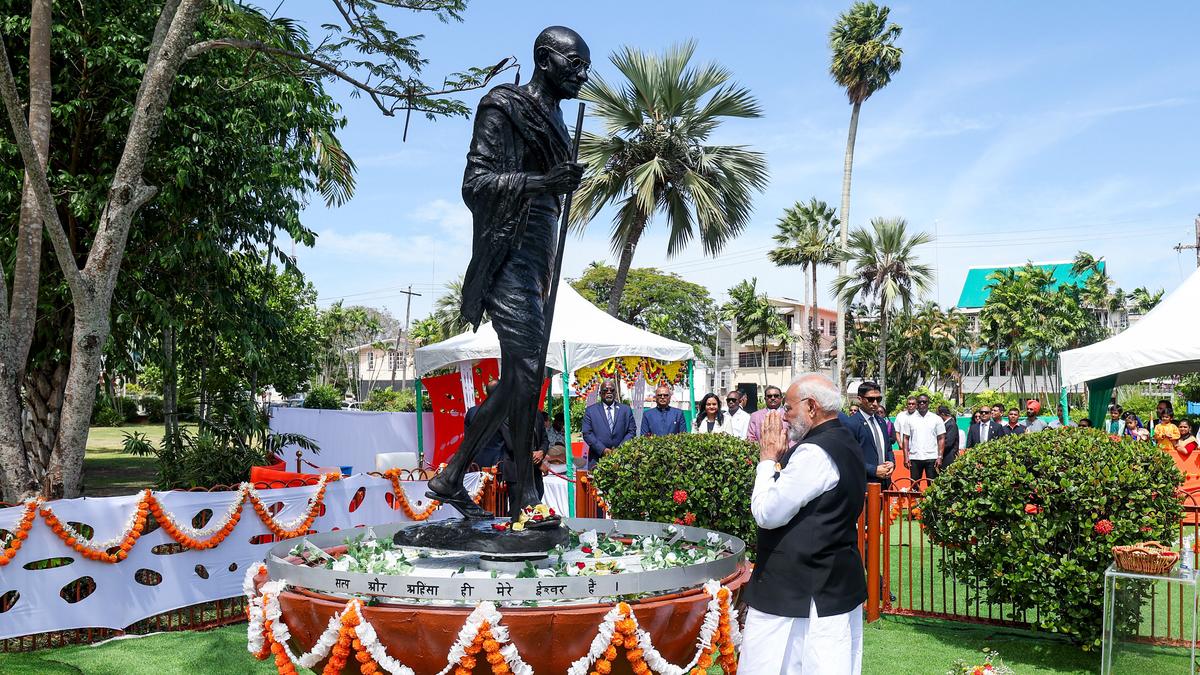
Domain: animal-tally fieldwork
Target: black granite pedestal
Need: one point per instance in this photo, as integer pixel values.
(479, 537)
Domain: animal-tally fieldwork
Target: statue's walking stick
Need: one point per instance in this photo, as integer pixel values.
(556, 270)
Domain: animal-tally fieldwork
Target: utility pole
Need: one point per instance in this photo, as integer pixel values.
(404, 333)
(1195, 246)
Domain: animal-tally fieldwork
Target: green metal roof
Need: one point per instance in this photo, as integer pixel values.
(976, 288)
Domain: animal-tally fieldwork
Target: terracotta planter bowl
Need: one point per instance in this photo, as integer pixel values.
(549, 639)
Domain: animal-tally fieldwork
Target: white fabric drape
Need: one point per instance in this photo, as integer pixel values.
(119, 600)
(466, 372)
(637, 400)
(349, 437)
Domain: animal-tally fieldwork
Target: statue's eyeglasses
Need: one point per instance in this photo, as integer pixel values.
(574, 62)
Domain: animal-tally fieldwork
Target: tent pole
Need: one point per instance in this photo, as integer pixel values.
(420, 390)
(566, 382)
(690, 413)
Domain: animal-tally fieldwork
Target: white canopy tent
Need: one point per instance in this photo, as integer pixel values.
(590, 334)
(1165, 341)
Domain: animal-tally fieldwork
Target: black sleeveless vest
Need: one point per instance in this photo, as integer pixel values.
(814, 557)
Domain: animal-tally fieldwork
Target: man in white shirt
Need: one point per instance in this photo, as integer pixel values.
(924, 438)
(808, 586)
(739, 420)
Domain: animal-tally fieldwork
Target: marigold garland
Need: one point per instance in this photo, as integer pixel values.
(100, 552)
(23, 526)
(117, 549)
(394, 476)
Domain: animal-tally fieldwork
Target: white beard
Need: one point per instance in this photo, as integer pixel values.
(797, 430)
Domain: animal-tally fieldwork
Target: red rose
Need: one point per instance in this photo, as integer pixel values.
(587, 550)
(979, 487)
(581, 565)
(1032, 509)
(500, 526)
(689, 518)
(538, 517)
(1147, 528)
(680, 496)
(1103, 526)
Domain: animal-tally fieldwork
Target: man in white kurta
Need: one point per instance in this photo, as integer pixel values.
(806, 593)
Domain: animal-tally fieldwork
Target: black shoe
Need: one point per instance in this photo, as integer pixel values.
(462, 503)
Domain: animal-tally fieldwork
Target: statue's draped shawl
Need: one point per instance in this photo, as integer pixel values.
(514, 135)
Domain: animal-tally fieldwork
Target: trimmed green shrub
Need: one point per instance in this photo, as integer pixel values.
(389, 400)
(324, 397)
(1035, 517)
(694, 479)
(154, 408)
(128, 408)
(104, 416)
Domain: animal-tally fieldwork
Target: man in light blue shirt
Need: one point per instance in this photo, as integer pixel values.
(662, 419)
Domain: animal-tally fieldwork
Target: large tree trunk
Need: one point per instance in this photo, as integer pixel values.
(23, 309)
(843, 239)
(17, 470)
(614, 299)
(92, 287)
(87, 347)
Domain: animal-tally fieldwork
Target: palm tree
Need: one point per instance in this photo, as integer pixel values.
(865, 57)
(1143, 300)
(755, 318)
(806, 238)
(885, 270)
(655, 156)
(447, 310)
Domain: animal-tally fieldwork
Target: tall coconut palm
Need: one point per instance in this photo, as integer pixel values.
(655, 155)
(447, 310)
(865, 57)
(755, 319)
(886, 270)
(807, 238)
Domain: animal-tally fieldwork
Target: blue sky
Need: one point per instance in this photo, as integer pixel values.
(1014, 131)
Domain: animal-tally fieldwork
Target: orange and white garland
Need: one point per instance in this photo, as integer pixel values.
(23, 526)
(719, 633)
(117, 548)
(99, 550)
(482, 636)
(402, 499)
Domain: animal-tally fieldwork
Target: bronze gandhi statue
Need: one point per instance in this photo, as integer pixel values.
(518, 169)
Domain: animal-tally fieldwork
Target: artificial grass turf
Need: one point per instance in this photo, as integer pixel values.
(892, 646)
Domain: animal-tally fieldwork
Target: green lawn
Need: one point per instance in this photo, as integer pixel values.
(892, 646)
(107, 471)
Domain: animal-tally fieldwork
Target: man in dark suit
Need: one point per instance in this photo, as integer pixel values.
(606, 424)
(870, 429)
(950, 449)
(985, 430)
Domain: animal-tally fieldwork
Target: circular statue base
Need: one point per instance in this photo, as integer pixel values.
(549, 639)
(620, 597)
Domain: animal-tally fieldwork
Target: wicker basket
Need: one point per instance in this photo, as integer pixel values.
(1148, 557)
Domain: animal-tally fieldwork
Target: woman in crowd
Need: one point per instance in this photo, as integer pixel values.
(710, 420)
(1186, 444)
